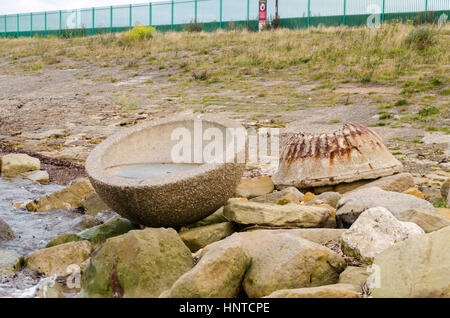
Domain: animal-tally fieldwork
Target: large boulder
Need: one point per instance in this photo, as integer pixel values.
(328, 291)
(396, 183)
(427, 220)
(418, 267)
(141, 263)
(100, 233)
(353, 204)
(261, 262)
(6, 233)
(276, 196)
(199, 237)
(255, 187)
(56, 260)
(375, 230)
(13, 165)
(218, 274)
(68, 198)
(9, 261)
(276, 215)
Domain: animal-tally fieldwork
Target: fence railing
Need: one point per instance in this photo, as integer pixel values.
(175, 15)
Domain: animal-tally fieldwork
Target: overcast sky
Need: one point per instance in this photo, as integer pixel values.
(22, 6)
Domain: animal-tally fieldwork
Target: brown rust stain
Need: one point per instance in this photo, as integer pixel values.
(303, 146)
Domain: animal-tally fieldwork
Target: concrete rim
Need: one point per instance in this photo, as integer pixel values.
(95, 169)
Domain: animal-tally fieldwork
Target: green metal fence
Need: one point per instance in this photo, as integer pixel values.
(175, 15)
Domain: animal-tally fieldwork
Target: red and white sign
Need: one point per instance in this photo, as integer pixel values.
(262, 13)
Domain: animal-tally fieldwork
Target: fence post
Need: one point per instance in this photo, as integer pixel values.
(131, 16)
(93, 21)
(195, 19)
(171, 24)
(345, 11)
(76, 19)
(221, 11)
(382, 16)
(31, 24)
(18, 25)
(6, 30)
(248, 15)
(60, 22)
(111, 20)
(45, 23)
(309, 13)
(426, 10)
(149, 13)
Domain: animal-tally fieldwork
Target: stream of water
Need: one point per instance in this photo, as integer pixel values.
(32, 230)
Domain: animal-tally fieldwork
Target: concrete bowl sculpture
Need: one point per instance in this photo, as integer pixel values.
(136, 175)
(352, 153)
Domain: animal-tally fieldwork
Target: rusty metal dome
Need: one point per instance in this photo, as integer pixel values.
(352, 153)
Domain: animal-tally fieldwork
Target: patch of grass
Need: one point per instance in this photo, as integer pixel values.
(421, 38)
(334, 121)
(137, 34)
(429, 111)
(445, 91)
(401, 102)
(385, 116)
(435, 81)
(441, 203)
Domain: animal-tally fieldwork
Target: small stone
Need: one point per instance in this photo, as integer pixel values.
(255, 187)
(63, 239)
(216, 217)
(375, 230)
(93, 204)
(6, 233)
(415, 192)
(274, 197)
(330, 198)
(354, 276)
(276, 215)
(88, 221)
(13, 165)
(308, 197)
(200, 237)
(396, 183)
(445, 188)
(328, 291)
(100, 233)
(56, 260)
(288, 198)
(10, 262)
(68, 198)
(38, 176)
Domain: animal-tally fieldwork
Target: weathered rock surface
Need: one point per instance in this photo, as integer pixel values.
(255, 187)
(88, 221)
(428, 221)
(199, 237)
(328, 291)
(415, 192)
(262, 261)
(216, 217)
(38, 176)
(396, 183)
(445, 188)
(9, 261)
(68, 198)
(375, 230)
(141, 263)
(6, 233)
(276, 215)
(93, 204)
(353, 204)
(13, 165)
(100, 233)
(308, 197)
(330, 198)
(55, 260)
(416, 267)
(276, 196)
(444, 212)
(63, 239)
(219, 274)
(353, 275)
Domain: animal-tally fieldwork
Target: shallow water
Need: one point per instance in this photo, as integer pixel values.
(148, 171)
(32, 230)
